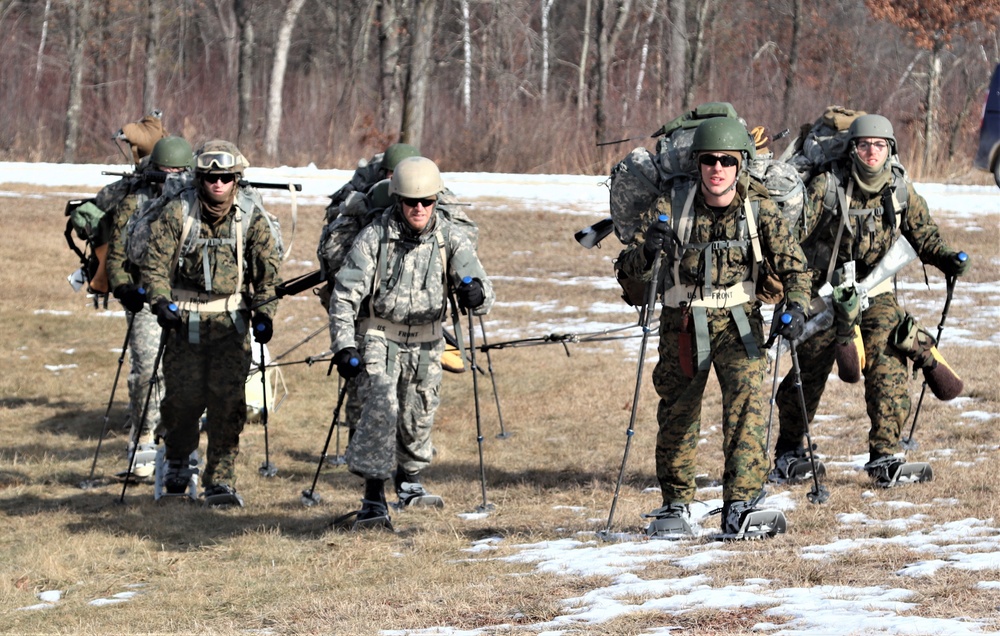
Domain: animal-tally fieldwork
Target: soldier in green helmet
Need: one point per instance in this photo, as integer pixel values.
(169, 155)
(844, 246)
(720, 231)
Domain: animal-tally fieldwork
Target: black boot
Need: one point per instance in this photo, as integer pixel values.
(374, 512)
(411, 492)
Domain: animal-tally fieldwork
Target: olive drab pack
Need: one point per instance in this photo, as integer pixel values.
(181, 186)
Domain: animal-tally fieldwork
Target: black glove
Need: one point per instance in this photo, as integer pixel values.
(132, 297)
(955, 264)
(349, 364)
(470, 293)
(793, 322)
(167, 315)
(263, 328)
(656, 237)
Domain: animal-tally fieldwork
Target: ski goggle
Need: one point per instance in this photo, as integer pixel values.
(727, 161)
(215, 160)
(415, 202)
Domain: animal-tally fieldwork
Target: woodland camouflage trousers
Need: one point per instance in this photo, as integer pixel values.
(679, 410)
(887, 393)
(209, 377)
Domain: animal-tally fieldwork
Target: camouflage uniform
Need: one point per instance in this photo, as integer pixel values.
(738, 364)
(399, 389)
(868, 238)
(206, 365)
(144, 339)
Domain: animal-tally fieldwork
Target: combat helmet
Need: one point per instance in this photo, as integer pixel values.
(396, 153)
(171, 152)
(416, 177)
(872, 126)
(220, 157)
(723, 133)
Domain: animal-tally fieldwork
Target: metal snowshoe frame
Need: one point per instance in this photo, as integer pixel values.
(159, 491)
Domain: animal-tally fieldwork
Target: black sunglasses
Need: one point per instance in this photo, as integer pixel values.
(212, 178)
(727, 161)
(415, 202)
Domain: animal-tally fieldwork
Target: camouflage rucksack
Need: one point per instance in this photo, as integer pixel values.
(181, 186)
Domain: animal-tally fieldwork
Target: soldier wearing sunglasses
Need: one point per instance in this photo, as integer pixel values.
(713, 235)
(213, 253)
(388, 302)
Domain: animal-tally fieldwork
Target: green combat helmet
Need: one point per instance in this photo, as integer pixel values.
(172, 152)
(416, 177)
(723, 133)
(396, 153)
(220, 157)
(872, 126)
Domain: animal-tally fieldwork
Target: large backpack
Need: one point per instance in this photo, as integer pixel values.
(641, 177)
(181, 186)
(90, 220)
(365, 176)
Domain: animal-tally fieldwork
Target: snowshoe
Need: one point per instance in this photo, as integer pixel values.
(175, 477)
(742, 520)
(373, 515)
(669, 522)
(890, 471)
(794, 467)
(140, 469)
(412, 493)
(222, 495)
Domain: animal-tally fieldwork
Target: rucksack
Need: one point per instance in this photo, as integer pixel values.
(641, 177)
(181, 186)
(365, 176)
(90, 221)
(821, 143)
(359, 209)
(785, 186)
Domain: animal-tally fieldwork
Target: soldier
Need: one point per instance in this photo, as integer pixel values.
(170, 155)
(213, 253)
(388, 302)
(713, 247)
(367, 174)
(844, 246)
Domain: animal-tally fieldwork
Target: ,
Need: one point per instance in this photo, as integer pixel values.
(988, 156)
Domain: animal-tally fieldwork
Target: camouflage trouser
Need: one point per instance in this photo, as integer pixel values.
(143, 344)
(887, 394)
(397, 409)
(352, 405)
(679, 410)
(210, 375)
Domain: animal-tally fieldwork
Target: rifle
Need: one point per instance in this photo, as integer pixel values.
(156, 176)
(899, 256)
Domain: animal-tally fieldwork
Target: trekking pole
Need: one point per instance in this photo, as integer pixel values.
(907, 442)
(503, 434)
(485, 506)
(145, 409)
(309, 497)
(267, 469)
(819, 494)
(89, 482)
(644, 320)
(774, 394)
